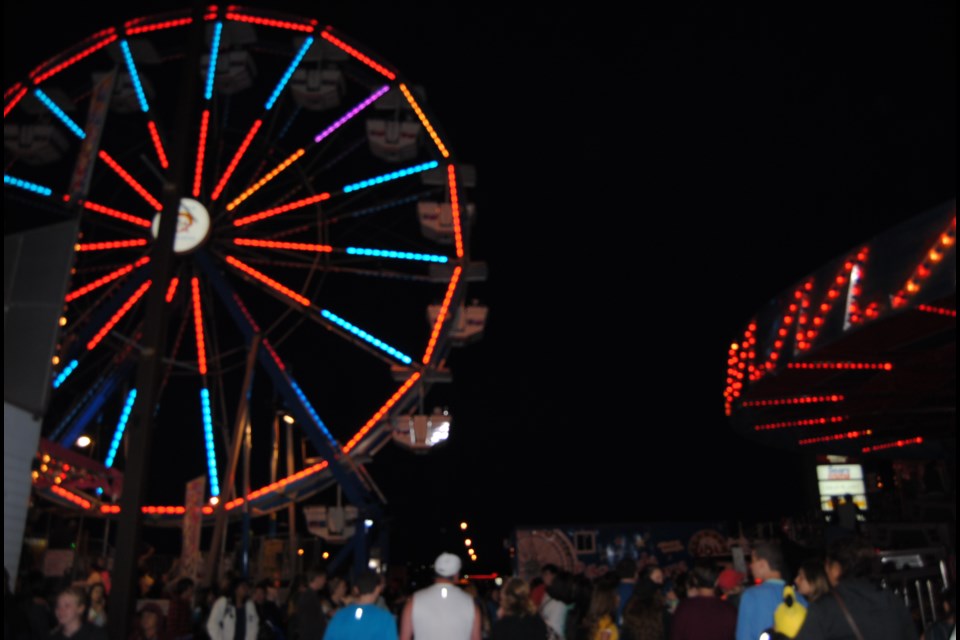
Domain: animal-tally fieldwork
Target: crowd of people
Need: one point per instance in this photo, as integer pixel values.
(833, 597)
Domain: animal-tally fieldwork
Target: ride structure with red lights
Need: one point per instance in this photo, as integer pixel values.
(859, 358)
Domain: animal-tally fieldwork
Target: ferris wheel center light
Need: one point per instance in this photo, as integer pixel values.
(193, 226)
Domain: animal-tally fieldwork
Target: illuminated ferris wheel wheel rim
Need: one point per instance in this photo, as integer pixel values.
(214, 219)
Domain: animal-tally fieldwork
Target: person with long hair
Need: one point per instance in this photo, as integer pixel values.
(811, 580)
(644, 619)
(518, 618)
(97, 612)
(856, 605)
(600, 621)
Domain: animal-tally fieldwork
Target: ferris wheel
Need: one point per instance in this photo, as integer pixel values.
(321, 248)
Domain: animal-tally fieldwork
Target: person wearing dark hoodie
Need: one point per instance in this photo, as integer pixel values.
(856, 607)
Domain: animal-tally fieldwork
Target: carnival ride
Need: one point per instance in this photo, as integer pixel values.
(320, 262)
(859, 358)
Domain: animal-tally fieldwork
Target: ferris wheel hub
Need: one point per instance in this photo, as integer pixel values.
(193, 226)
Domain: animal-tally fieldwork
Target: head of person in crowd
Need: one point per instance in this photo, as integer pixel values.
(97, 594)
(643, 618)
(730, 583)
(563, 587)
(515, 598)
(238, 591)
(767, 561)
(71, 609)
(811, 581)
(150, 622)
(339, 589)
(548, 572)
(447, 567)
(650, 580)
(368, 586)
(702, 580)
(184, 588)
(316, 579)
(604, 602)
(848, 558)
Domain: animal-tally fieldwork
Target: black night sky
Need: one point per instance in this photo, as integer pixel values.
(645, 183)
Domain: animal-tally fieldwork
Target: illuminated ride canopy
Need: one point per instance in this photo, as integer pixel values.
(859, 358)
(321, 209)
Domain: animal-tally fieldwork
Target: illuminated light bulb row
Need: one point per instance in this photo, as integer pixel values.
(455, 209)
(119, 215)
(236, 159)
(122, 311)
(849, 435)
(945, 241)
(172, 289)
(313, 413)
(363, 335)
(803, 318)
(339, 122)
(382, 412)
(164, 510)
(807, 422)
(27, 185)
(201, 152)
(134, 75)
(307, 43)
(893, 445)
(783, 333)
(290, 246)
(424, 121)
(132, 30)
(110, 277)
(735, 366)
(60, 114)
(836, 397)
(273, 173)
(926, 308)
(279, 484)
(17, 92)
(268, 22)
(112, 244)
(198, 326)
(854, 314)
(442, 315)
(873, 366)
(396, 255)
(212, 60)
(63, 375)
(270, 282)
(72, 497)
(121, 426)
(340, 44)
(393, 175)
(100, 39)
(126, 177)
(208, 442)
(275, 211)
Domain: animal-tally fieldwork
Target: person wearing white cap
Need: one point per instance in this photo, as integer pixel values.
(442, 611)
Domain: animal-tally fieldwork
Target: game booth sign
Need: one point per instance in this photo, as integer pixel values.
(594, 549)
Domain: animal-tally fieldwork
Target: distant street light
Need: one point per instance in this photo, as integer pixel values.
(84, 441)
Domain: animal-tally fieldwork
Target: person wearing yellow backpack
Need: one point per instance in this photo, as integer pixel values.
(788, 617)
(759, 603)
